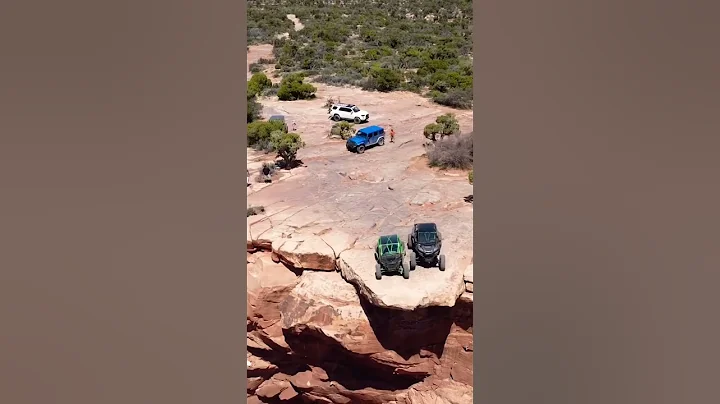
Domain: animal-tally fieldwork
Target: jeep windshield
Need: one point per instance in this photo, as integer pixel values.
(426, 237)
(360, 134)
(356, 109)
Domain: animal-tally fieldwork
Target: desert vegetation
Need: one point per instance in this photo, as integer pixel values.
(454, 152)
(420, 46)
(445, 125)
(254, 210)
(293, 88)
(272, 137)
(342, 130)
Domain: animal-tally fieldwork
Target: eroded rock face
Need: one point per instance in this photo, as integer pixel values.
(426, 287)
(316, 340)
(323, 317)
(468, 278)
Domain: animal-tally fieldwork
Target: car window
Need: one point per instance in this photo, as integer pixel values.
(345, 109)
(356, 109)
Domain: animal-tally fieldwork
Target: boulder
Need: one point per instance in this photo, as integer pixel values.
(306, 252)
(426, 287)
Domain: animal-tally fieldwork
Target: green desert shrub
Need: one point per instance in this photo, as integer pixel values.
(286, 145)
(293, 88)
(343, 130)
(257, 83)
(254, 109)
(444, 125)
(260, 131)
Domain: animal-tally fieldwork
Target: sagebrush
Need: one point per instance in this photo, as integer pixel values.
(452, 152)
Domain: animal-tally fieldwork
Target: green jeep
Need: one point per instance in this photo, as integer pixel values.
(390, 257)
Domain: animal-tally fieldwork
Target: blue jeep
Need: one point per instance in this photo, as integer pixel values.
(366, 137)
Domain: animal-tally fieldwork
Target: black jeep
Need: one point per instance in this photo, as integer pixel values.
(424, 244)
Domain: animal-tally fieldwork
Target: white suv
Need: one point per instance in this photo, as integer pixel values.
(348, 112)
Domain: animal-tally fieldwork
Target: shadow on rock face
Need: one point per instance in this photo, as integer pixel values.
(353, 371)
(462, 314)
(410, 332)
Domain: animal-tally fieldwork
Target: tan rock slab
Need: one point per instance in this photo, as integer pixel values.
(426, 286)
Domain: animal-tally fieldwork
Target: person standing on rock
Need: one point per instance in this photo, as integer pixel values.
(392, 134)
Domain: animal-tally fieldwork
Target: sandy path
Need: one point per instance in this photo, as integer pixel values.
(298, 25)
(256, 53)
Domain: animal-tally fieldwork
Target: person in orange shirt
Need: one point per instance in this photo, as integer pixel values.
(392, 134)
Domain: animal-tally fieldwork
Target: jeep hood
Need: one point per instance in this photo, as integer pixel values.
(356, 140)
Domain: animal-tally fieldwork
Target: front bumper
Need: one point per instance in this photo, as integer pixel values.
(427, 255)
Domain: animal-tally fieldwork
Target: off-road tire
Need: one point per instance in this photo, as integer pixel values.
(405, 270)
(409, 243)
(381, 141)
(441, 262)
(356, 120)
(336, 117)
(361, 149)
(413, 262)
(378, 272)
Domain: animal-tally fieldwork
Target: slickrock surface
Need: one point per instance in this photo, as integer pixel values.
(321, 328)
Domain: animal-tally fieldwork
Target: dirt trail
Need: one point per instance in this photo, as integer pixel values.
(298, 25)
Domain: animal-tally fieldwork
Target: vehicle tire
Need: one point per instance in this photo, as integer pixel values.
(381, 141)
(412, 261)
(406, 270)
(361, 149)
(336, 117)
(378, 272)
(441, 262)
(356, 120)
